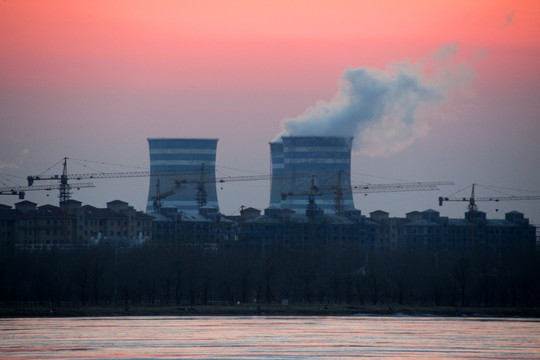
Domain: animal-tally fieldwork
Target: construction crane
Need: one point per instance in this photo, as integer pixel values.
(159, 196)
(102, 175)
(472, 207)
(201, 188)
(65, 177)
(312, 209)
(375, 188)
(180, 180)
(396, 187)
(200, 177)
(21, 190)
(365, 189)
(13, 192)
(473, 199)
(203, 180)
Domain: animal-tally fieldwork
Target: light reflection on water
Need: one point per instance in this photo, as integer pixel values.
(269, 338)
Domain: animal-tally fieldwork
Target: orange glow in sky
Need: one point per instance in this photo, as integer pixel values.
(147, 42)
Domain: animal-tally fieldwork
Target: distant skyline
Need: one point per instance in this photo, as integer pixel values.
(92, 80)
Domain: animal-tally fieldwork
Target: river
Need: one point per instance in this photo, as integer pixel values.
(270, 337)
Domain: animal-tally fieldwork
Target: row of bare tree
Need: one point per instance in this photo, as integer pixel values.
(327, 274)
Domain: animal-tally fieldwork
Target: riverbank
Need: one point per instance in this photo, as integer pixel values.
(262, 309)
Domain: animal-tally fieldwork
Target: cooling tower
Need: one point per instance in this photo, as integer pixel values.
(324, 162)
(276, 188)
(184, 169)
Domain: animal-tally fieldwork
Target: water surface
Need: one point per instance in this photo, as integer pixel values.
(261, 337)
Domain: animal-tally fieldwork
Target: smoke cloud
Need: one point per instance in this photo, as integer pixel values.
(385, 110)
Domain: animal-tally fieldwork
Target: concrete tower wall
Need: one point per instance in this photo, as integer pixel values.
(186, 156)
(276, 187)
(325, 159)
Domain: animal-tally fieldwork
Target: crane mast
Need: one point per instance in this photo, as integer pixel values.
(338, 201)
(312, 209)
(201, 188)
(159, 196)
(65, 193)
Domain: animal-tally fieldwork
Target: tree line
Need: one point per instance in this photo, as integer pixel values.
(183, 275)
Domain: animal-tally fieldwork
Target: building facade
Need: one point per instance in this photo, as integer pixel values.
(30, 226)
(433, 231)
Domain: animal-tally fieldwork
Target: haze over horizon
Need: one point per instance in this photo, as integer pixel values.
(430, 90)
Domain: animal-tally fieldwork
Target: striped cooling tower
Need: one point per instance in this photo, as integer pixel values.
(326, 161)
(276, 188)
(182, 189)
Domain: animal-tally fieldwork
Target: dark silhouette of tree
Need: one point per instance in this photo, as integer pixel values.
(327, 273)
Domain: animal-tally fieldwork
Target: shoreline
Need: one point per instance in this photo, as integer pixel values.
(263, 310)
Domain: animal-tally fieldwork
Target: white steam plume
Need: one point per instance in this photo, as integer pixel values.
(384, 110)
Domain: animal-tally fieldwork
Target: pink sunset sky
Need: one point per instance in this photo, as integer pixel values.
(92, 80)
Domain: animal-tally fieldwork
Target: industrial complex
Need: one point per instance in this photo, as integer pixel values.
(311, 202)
